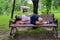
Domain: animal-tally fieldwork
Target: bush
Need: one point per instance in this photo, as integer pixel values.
(19, 13)
(43, 11)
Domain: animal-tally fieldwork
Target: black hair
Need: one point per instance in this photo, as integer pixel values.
(17, 18)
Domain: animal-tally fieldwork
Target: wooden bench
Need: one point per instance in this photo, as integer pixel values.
(46, 17)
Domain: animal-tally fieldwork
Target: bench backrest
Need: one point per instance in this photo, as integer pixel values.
(46, 17)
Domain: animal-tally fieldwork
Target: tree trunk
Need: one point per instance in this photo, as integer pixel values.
(35, 9)
(47, 11)
(13, 9)
(35, 6)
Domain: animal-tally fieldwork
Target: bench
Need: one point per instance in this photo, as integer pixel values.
(50, 17)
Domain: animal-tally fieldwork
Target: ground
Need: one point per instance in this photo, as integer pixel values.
(44, 35)
(4, 35)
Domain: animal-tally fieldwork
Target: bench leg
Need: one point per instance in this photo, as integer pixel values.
(11, 32)
(16, 29)
(56, 32)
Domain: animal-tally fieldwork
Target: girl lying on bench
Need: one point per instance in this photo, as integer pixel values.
(34, 19)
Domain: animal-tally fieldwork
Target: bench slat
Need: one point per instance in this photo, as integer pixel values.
(31, 25)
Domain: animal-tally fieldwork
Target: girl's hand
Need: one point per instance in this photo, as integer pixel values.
(39, 23)
(21, 22)
(40, 19)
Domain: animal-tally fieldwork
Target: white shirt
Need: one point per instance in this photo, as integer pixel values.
(24, 17)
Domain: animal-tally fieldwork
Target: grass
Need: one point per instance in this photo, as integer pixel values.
(4, 20)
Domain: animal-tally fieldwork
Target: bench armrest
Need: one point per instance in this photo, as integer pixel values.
(56, 21)
(11, 21)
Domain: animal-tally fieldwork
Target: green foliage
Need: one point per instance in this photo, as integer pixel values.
(17, 5)
(56, 4)
(24, 2)
(47, 3)
(4, 20)
(18, 13)
(30, 7)
(43, 11)
(5, 6)
(50, 5)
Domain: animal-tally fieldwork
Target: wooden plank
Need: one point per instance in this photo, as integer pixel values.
(31, 25)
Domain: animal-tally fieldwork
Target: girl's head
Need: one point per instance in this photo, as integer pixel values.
(18, 18)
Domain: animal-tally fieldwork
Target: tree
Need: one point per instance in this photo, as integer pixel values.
(2, 6)
(5, 6)
(35, 6)
(47, 3)
(24, 2)
(18, 5)
(56, 3)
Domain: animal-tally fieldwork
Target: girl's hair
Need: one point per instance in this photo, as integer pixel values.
(17, 18)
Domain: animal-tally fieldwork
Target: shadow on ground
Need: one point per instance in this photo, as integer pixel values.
(47, 35)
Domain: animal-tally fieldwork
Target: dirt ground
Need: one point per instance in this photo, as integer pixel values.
(46, 35)
(36, 36)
